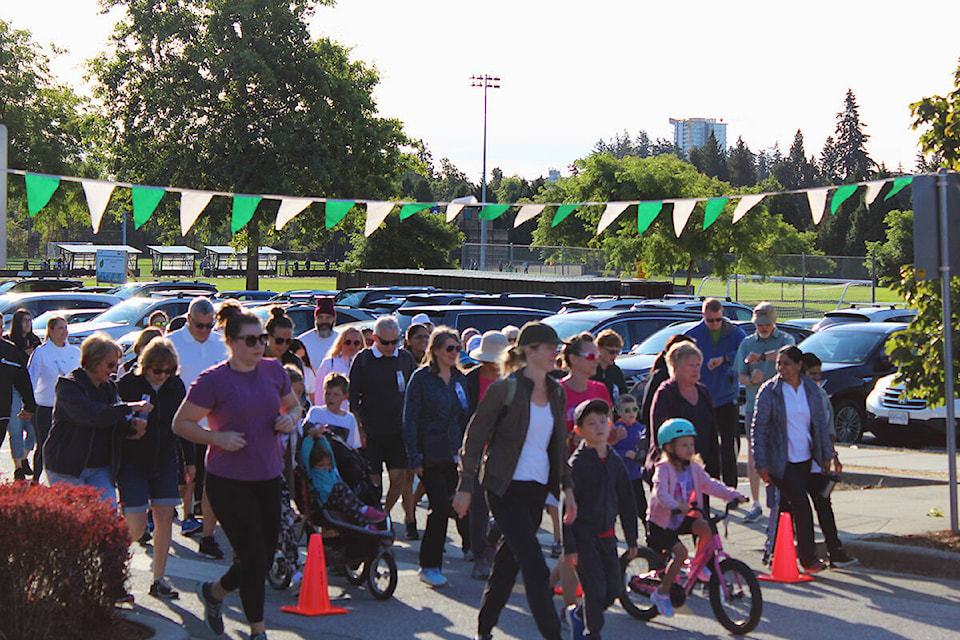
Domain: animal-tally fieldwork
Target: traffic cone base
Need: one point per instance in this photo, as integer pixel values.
(785, 555)
(558, 590)
(314, 599)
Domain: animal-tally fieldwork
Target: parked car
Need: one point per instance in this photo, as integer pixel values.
(245, 295)
(481, 318)
(545, 301)
(130, 315)
(303, 296)
(899, 420)
(677, 302)
(854, 357)
(34, 285)
(600, 302)
(361, 298)
(432, 299)
(865, 313)
(302, 315)
(72, 316)
(39, 303)
(633, 326)
(142, 289)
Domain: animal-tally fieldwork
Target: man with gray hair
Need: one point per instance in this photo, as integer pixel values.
(378, 380)
(198, 347)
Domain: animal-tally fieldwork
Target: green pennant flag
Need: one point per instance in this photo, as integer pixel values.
(243, 208)
(493, 211)
(145, 201)
(408, 210)
(712, 210)
(335, 210)
(562, 212)
(647, 212)
(841, 194)
(898, 184)
(39, 191)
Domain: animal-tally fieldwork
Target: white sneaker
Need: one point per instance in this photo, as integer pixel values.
(432, 578)
(662, 603)
(754, 514)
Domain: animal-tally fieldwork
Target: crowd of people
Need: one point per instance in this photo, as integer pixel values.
(495, 429)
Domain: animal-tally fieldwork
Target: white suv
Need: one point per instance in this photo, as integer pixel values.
(899, 420)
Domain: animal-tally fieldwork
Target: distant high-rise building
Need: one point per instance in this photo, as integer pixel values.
(691, 133)
(553, 175)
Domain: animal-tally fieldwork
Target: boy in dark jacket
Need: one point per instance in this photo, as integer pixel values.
(603, 491)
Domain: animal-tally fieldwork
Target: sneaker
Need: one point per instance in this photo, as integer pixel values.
(412, 533)
(162, 590)
(754, 514)
(662, 602)
(432, 578)
(575, 622)
(481, 570)
(190, 526)
(556, 550)
(211, 608)
(816, 567)
(19, 474)
(374, 515)
(839, 558)
(210, 549)
(26, 467)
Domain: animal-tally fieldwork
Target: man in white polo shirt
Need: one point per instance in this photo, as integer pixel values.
(318, 340)
(199, 347)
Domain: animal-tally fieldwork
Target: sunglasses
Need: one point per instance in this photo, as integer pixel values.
(450, 348)
(613, 352)
(387, 343)
(163, 372)
(633, 409)
(201, 325)
(279, 341)
(251, 341)
(713, 320)
(159, 323)
(587, 356)
(354, 343)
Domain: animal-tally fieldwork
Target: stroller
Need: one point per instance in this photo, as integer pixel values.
(366, 556)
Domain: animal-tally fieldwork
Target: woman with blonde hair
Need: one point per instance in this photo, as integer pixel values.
(348, 344)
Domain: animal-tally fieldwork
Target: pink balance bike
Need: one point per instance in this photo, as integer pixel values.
(734, 589)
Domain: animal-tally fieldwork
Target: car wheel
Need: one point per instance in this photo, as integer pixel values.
(849, 419)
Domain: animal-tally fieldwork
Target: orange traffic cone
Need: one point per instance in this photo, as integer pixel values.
(314, 599)
(785, 555)
(558, 590)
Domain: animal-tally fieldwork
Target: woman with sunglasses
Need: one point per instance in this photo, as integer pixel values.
(249, 404)
(147, 476)
(435, 412)
(339, 359)
(280, 329)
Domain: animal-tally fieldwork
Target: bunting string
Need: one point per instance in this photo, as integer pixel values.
(41, 188)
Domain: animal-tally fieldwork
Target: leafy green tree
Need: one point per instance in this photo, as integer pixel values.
(424, 240)
(938, 117)
(896, 251)
(710, 159)
(234, 95)
(741, 166)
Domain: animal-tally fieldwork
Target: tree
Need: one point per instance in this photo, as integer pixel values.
(234, 95)
(710, 159)
(939, 119)
(853, 162)
(423, 241)
(741, 166)
(621, 145)
(896, 251)
(795, 171)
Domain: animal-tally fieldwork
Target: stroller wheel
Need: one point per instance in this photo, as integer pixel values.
(279, 574)
(381, 574)
(355, 573)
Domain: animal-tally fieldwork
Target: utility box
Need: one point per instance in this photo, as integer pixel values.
(926, 225)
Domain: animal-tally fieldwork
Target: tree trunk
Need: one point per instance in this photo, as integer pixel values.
(253, 255)
(690, 268)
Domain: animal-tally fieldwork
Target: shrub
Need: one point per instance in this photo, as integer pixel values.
(63, 562)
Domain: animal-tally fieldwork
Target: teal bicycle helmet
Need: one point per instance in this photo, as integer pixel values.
(674, 428)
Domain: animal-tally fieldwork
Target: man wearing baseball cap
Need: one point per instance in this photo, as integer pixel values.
(318, 340)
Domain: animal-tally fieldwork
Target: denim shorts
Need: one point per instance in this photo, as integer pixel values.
(138, 487)
(96, 477)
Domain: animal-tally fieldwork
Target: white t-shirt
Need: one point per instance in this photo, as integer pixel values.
(534, 462)
(319, 415)
(317, 347)
(799, 440)
(197, 357)
(47, 364)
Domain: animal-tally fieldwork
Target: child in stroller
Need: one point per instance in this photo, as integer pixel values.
(332, 491)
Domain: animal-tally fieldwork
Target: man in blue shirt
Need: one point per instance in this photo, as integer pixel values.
(718, 339)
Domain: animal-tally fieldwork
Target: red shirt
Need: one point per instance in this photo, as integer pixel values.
(484, 385)
(594, 390)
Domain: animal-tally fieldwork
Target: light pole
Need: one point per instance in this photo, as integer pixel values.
(487, 82)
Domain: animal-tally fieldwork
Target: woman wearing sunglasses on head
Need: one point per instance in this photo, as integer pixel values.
(249, 404)
(147, 476)
(280, 329)
(339, 359)
(435, 413)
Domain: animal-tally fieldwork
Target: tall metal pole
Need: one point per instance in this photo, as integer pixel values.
(3, 196)
(942, 184)
(487, 82)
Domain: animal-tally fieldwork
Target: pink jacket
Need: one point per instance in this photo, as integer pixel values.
(666, 492)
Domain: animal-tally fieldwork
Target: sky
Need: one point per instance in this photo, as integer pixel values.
(575, 72)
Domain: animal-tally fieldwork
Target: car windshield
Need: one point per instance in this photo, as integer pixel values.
(127, 312)
(349, 298)
(567, 325)
(657, 341)
(6, 286)
(842, 347)
(841, 318)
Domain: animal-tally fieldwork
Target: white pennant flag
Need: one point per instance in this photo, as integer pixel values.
(192, 204)
(457, 204)
(527, 212)
(681, 213)
(289, 209)
(873, 190)
(377, 212)
(611, 213)
(98, 197)
(818, 203)
(746, 203)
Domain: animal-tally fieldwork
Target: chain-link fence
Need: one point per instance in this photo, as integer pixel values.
(539, 260)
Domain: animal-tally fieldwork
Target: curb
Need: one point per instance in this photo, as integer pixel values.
(871, 479)
(873, 552)
(163, 628)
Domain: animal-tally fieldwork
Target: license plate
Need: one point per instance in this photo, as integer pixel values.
(898, 417)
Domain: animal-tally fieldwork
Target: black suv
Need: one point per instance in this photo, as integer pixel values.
(633, 326)
(480, 317)
(362, 298)
(146, 289)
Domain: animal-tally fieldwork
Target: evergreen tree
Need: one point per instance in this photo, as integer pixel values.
(830, 162)
(853, 162)
(710, 159)
(741, 166)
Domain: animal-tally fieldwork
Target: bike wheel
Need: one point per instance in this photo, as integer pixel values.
(381, 573)
(640, 579)
(740, 605)
(279, 573)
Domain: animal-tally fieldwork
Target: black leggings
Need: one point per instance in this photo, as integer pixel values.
(249, 512)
